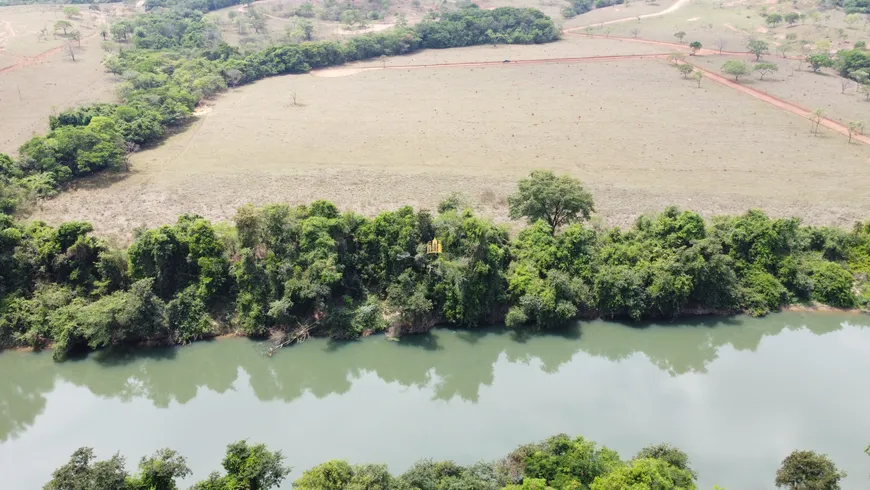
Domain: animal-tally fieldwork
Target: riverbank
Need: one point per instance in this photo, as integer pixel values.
(292, 273)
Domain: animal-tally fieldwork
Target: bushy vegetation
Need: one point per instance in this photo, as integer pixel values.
(172, 58)
(557, 463)
(291, 272)
(578, 7)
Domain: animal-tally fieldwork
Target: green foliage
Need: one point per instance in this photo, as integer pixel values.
(83, 472)
(564, 462)
(556, 200)
(850, 61)
(645, 474)
(758, 47)
(669, 454)
(735, 68)
(808, 470)
(820, 60)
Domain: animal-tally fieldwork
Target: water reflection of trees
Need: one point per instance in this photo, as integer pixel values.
(450, 363)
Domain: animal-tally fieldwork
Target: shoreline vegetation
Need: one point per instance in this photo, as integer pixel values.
(558, 463)
(289, 273)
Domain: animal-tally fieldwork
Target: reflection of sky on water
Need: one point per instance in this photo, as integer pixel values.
(737, 398)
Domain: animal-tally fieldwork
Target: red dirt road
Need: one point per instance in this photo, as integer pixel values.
(770, 99)
(782, 104)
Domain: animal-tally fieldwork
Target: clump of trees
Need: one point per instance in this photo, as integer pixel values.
(578, 7)
(557, 463)
(292, 272)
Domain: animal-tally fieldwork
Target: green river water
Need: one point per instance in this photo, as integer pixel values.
(736, 394)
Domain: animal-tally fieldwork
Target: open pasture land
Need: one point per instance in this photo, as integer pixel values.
(380, 138)
(810, 90)
(734, 23)
(37, 74)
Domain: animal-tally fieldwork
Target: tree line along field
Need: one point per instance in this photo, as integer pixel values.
(632, 130)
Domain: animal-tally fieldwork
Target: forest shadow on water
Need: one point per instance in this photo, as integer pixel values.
(452, 363)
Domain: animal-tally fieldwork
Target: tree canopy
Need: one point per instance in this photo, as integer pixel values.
(556, 200)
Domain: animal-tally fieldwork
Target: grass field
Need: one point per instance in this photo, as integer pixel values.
(38, 77)
(374, 139)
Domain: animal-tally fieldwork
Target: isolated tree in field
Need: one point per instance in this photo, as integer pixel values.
(855, 127)
(815, 17)
(791, 18)
(686, 69)
(815, 118)
(71, 12)
(819, 60)
(556, 200)
(62, 25)
(852, 19)
(306, 29)
(698, 76)
(588, 31)
(680, 35)
(384, 59)
(76, 36)
(608, 30)
(735, 68)
(791, 36)
(807, 470)
(845, 83)
(43, 34)
(783, 49)
(634, 32)
(720, 44)
(758, 47)
(695, 46)
(765, 68)
(70, 50)
(773, 19)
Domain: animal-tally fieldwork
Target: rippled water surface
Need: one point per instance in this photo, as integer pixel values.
(736, 394)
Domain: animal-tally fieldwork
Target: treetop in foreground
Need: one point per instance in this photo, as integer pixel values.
(557, 463)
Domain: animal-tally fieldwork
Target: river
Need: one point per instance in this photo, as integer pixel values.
(737, 394)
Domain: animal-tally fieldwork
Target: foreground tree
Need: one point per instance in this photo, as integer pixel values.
(645, 474)
(855, 127)
(695, 46)
(248, 467)
(680, 35)
(765, 68)
(669, 454)
(62, 25)
(686, 69)
(758, 47)
(735, 68)
(816, 118)
(808, 470)
(556, 200)
(83, 472)
(820, 60)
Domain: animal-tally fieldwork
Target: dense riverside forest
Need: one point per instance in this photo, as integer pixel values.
(291, 272)
(557, 463)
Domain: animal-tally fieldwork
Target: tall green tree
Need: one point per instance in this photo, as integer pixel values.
(808, 470)
(556, 200)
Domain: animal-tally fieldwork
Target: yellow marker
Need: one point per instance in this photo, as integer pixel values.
(433, 247)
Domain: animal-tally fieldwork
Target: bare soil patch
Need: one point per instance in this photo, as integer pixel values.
(638, 136)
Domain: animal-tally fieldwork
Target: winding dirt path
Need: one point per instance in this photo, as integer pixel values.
(677, 5)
